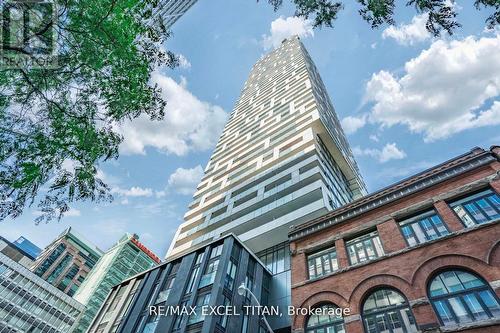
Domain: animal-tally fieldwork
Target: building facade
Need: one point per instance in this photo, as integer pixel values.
(172, 10)
(422, 255)
(27, 246)
(66, 262)
(207, 275)
(30, 304)
(282, 159)
(126, 258)
(16, 253)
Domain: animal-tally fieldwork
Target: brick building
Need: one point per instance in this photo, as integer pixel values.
(66, 261)
(422, 255)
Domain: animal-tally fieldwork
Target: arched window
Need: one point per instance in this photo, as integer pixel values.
(387, 311)
(328, 321)
(460, 297)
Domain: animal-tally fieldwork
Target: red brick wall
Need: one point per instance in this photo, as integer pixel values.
(407, 270)
(390, 236)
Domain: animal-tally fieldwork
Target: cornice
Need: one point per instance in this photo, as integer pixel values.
(438, 174)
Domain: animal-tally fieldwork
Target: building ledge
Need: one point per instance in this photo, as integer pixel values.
(473, 325)
(430, 177)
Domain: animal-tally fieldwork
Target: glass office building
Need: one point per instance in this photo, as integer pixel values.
(126, 258)
(31, 304)
(66, 262)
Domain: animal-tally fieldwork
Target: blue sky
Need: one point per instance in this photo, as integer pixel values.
(408, 101)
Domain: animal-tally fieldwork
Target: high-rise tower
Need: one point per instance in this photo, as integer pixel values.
(172, 10)
(282, 159)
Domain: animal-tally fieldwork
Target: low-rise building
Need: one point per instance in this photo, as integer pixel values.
(422, 255)
(208, 275)
(30, 304)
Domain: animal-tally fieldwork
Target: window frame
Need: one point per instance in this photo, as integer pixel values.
(319, 254)
(459, 295)
(194, 272)
(202, 299)
(211, 266)
(416, 219)
(385, 311)
(324, 326)
(360, 239)
(167, 280)
(272, 260)
(452, 203)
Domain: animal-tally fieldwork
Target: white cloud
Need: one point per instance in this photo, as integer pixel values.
(184, 181)
(189, 124)
(448, 88)
(72, 212)
(389, 152)
(184, 62)
(409, 34)
(282, 28)
(389, 174)
(160, 194)
(69, 165)
(352, 124)
(134, 191)
(374, 137)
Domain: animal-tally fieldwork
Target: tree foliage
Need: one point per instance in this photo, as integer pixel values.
(58, 123)
(441, 13)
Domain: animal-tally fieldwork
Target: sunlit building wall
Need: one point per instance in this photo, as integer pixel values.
(31, 304)
(126, 258)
